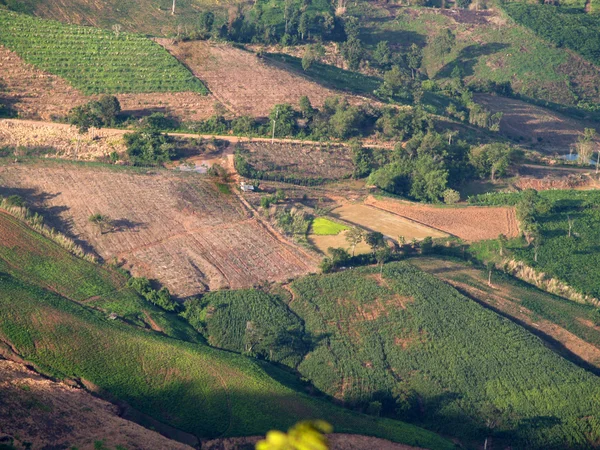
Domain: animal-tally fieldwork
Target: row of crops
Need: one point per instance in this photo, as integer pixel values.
(405, 345)
(93, 60)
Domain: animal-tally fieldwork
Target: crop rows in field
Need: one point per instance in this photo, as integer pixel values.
(430, 355)
(174, 227)
(93, 60)
(192, 387)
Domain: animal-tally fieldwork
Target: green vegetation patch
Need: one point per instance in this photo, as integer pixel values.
(93, 60)
(193, 387)
(407, 345)
(325, 227)
(570, 258)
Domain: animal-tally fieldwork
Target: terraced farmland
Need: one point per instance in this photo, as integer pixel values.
(93, 60)
(174, 227)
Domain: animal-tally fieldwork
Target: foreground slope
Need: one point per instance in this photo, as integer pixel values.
(175, 227)
(195, 388)
(37, 411)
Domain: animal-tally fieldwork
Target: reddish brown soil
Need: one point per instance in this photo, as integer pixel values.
(241, 80)
(469, 223)
(174, 227)
(49, 414)
(39, 95)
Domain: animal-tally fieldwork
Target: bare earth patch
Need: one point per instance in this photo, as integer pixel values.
(49, 414)
(470, 223)
(173, 227)
(40, 95)
(544, 129)
(240, 80)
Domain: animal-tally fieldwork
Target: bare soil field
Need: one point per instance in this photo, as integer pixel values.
(543, 129)
(337, 241)
(301, 161)
(472, 223)
(507, 298)
(174, 227)
(389, 223)
(241, 80)
(35, 94)
(48, 414)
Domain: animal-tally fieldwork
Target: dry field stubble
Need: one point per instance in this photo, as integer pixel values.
(176, 228)
(303, 161)
(60, 141)
(472, 223)
(241, 80)
(520, 119)
(46, 413)
(39, 95)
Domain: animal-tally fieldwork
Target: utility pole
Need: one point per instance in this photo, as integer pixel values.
(274, 122)
(173, 10)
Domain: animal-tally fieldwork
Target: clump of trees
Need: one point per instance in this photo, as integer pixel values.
(96, 114)
(161, 297)
(149, 147)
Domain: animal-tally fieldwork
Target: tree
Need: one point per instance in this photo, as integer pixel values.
(149, 147)
(396, 85)
(451, 196)
(585, 146)
(352, 52)
(102, 221)
(312, 53)
(375, 240)
(306, 109)
(283, 118)
(207, 20)
(304, 25)
(355, 236)
(502, 241)
(430, 178)
(382, 256)
(383, 54)
(490, 267)
(492, 160)
(363, 160)
(414, 57)
(109, 110)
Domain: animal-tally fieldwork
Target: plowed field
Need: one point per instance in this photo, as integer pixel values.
(469, 223)
(174, 227)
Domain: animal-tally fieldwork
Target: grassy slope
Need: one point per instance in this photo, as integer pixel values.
(485, 51)
(26, 254)
(191, 386)
(451, 362)
(94, 60)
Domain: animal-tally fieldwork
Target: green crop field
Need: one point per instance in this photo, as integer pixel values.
(93, 60)
(430, 355)
(572, 259)
(27, 255)
(193, 387)
(325, 227)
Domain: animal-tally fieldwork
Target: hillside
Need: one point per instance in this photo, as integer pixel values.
(403, 344)
(488, 46)
(194, 388)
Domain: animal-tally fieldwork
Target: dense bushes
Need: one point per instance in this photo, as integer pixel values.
(161, 298)
(149, 147)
